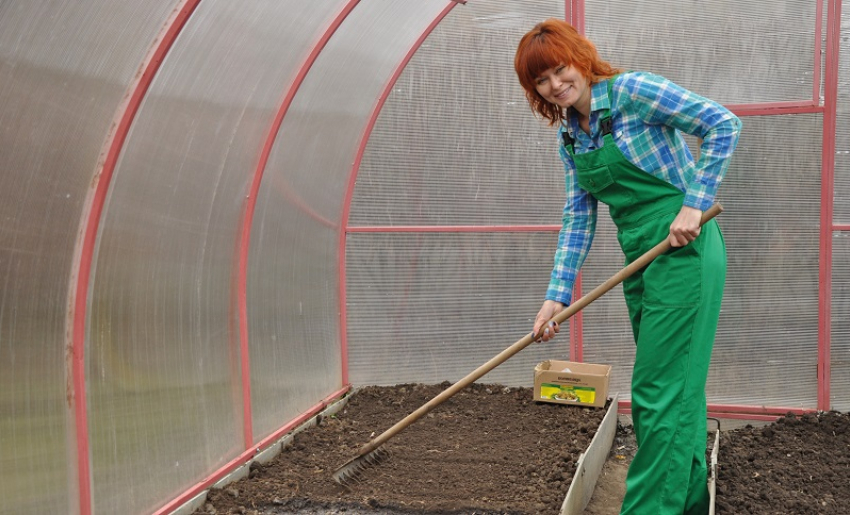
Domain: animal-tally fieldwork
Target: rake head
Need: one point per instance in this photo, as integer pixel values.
(351, 470)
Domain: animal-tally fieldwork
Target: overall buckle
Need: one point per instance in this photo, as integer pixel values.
(605, 126)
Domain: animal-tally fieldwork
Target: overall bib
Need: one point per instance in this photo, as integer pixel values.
(674, 306)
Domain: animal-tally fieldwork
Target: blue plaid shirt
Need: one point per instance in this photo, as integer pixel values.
(648, 112)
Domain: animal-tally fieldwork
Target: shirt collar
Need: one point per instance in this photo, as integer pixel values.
(599, 96)
(598, 101)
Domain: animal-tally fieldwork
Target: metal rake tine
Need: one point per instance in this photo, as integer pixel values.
(375, 457)
(352, 470)
(349, 475)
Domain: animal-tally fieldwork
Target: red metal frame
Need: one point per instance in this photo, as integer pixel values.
(776, 108)
(250, 205)
(349, 194)
(455, 228)
(833, 33)
(737, 411)
(577, 325)
(576, 15)
(78, 290)
(575, 8)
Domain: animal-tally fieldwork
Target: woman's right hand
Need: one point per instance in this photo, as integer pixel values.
(550, 308)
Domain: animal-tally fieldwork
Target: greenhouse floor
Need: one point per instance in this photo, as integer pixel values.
(489, 449)
(492, 450)
(796, 465)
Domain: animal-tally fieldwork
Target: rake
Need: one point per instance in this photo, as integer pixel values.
(371, 453)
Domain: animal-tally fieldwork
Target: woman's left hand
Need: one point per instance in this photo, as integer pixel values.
(685, 228)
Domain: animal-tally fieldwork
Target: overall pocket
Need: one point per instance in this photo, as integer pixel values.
(675, 277)
(595, 179)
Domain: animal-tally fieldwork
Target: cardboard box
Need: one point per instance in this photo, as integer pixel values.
(568, 382)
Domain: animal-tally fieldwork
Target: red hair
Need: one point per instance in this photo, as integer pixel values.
(549, 44)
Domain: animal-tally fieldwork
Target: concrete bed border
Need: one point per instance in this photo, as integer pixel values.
(590, 463)
(712, 472)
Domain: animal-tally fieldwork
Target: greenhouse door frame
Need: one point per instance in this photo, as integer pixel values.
(828, 108)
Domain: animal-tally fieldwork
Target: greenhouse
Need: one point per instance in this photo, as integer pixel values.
(220, 219)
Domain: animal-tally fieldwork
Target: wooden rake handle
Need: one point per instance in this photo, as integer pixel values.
(525, 341)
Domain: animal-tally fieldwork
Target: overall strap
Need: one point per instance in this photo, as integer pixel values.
(569, 142)
(605, 124)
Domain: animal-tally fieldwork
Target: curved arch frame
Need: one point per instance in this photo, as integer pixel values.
(251, 203)
(244, 246)
(90, 218)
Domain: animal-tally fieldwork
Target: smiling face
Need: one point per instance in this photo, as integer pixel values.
(564, 86)
(556, 67)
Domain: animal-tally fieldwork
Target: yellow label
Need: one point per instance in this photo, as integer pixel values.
(561, 392)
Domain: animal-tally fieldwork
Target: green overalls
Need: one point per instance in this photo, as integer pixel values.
(674, 305)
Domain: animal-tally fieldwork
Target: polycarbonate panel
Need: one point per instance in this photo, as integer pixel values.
(769, 321)
(293, 283)
(727, 50)
(840, 314)
(64, 69)
(842, 132)
(433, 307)
(456, 142)
(166, 392)
(840, 349)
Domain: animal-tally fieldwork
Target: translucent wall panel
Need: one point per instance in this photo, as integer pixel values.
(293, 283)
(164, 377)
(768, 328)
(432, 307)
(731, 51)
(842, 133)
(64, 68)
(840, 351)
(455, 144)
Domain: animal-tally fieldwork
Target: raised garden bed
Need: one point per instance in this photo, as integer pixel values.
(797, 465)
(489, 449)
(493, 450)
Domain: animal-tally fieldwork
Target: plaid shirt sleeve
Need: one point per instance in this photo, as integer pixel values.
(576, 236)
(656, 100)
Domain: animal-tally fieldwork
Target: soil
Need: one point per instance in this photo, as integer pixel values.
(487, 450)
(492, 450)
(797, 465)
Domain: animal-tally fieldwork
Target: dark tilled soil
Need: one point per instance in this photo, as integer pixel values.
(493, 450)
(487, 450)
(795, 466)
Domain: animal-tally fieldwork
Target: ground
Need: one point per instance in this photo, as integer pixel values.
(488, 449)
(493, 450)
(798, 465)
(611, 484)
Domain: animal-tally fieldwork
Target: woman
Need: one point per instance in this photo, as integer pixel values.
(621, 143)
